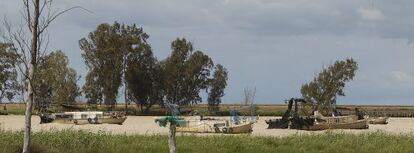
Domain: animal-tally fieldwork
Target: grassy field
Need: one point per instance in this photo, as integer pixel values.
(81, 141)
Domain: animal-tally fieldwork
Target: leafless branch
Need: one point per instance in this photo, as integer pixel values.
(28, 19)
(51, 17)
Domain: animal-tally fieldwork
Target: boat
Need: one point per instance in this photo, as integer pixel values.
(377, 120)
(293, 120)
(87, 117)
(198, 124)
(338, 122)
(214, 126)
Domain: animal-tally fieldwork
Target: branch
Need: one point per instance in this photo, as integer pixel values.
(51, 18)
(28, 19)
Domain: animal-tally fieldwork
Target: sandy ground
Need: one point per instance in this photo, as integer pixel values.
(146, 125)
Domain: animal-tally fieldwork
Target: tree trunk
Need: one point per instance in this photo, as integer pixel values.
(126, 98)
(32, 68)
(171, 138)
(28, 114)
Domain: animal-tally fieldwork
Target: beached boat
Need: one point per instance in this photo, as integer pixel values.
(377, 120)
(198, 124)
(218, 126)
(293, 120)
(338, 122)
(89, 117)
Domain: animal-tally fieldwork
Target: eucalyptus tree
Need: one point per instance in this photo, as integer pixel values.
(217, 85)
(103, 52)
(142, 71)
(9, 85)
(115, 54)
(328, 84)
(186, 73)
(92, 89)
(143, 82)
(56, 82)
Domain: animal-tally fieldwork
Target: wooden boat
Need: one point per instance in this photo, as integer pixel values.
(377, 120)
(79, 118)
(214, 126)
(217, 128)
(338, 122)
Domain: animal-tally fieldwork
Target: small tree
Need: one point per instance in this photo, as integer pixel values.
(329, 84)
(249, 95)
(217, 85)
(9, 86)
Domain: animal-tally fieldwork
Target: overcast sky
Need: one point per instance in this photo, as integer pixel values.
(273, 45)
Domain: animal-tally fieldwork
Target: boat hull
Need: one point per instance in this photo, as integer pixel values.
(212, 128)
(378, 120)
(359, 124)
(119, 121)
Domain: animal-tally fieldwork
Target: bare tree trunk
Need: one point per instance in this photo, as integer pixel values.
(32, 67)
(171, 138)
(28, 115)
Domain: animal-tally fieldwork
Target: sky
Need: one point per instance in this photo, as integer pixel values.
(274, 46)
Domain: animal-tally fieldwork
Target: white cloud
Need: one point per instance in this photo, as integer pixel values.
(372, 14)
(401, 76)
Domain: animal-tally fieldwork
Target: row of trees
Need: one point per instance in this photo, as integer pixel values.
(118, 55)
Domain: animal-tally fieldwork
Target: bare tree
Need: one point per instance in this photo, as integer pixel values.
(31, 43)
(249, 95)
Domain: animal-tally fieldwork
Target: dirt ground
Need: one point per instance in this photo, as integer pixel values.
(146, 125)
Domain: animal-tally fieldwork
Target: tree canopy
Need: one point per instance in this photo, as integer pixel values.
(56, 82)
(328, 84)
(103, 52)
(9, 86)
(186, 72)
(217, 85)
(118, 52)
(142, 71)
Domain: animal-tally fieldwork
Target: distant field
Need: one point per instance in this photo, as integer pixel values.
(262, 110)
(70, 141)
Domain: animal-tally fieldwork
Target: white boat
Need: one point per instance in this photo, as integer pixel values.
(199, 125)
(88, 117)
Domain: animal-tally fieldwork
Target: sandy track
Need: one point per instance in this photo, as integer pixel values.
(146, 125)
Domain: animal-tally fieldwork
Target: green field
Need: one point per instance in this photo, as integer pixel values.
(81, 141)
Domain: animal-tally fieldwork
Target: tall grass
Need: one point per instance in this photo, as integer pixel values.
(69, 141)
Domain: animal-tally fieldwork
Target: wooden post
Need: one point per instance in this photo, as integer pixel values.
(171, 138)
